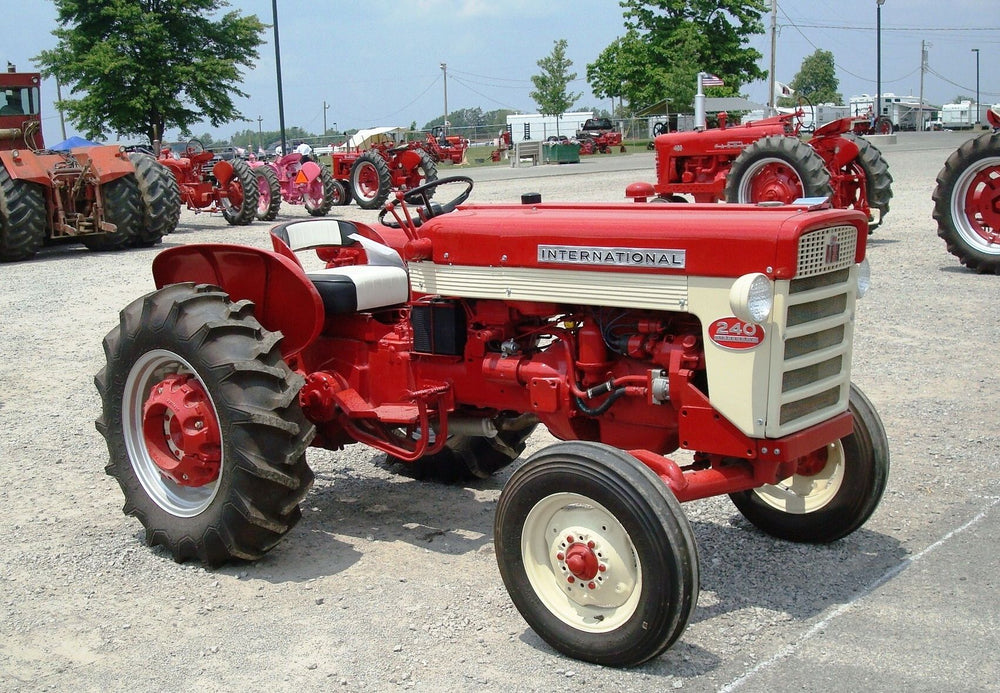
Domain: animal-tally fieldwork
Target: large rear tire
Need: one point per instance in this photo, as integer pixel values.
(268, 192)
(967, 203)
(161, 199)
(201, 417)
(596, 554)
(240, 206)
(123, 208)
(839, 494)
(22, 218)
(878, 180)
(320, 195)
(777, 169)
(371, 181)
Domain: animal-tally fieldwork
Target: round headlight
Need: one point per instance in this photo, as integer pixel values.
(752, 297)
(864, 277)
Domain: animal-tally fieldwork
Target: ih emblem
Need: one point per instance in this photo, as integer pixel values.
(832, 250)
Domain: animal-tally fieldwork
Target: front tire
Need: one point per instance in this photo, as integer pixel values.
(239, 207)
(201, 417)
(967, 203)
(596, 554)
(777, 169)
(841, 493)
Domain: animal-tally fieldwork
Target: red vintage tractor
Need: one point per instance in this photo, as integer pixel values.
(373, 164)
(764, 161)
(226, 186)
(438, 340)
(441, 148)
(104, 197)
(967, 200)
(297, 182)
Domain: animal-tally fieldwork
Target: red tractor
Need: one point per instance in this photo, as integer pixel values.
(104, 197)
(598, 135)
(297, 182)
(967, 200)
(372, 165)
(438, 340)
(227, 186)
(764, 161)
(443, 148)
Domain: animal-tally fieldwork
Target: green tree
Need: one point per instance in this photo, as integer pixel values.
(816, 80)
(138, 67)
(551, 92)
(668, 42)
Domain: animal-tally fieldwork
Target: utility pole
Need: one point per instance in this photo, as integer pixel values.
(923, 68)
(277, 64)
(878, 58)
(976, 51)
(260, 134)
(444, 68)
(62, 116)
(326, 106)
(770, 82)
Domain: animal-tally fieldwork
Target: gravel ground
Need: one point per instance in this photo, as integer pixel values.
(390, 583)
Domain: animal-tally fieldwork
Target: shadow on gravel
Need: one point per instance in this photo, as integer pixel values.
(741, 568)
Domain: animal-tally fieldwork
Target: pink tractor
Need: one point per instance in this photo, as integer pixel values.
(297, 181)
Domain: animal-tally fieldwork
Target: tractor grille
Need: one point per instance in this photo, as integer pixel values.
(813, 357)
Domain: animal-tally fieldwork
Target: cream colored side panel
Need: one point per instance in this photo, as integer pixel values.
(733, 375)
(580, 287)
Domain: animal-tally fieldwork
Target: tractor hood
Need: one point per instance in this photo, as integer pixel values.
(684, 239)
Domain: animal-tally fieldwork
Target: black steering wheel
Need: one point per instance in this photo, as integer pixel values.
(195, 146)
(421, 195)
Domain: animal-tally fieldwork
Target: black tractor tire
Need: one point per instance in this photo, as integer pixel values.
(596, 554)
(348, 197)
(267, 204)
(660, 128)
(245, 212)
(22, 218)
(465, 458)
(427, 171)
(371, 181)
(254, 428)
(321, 207)
(161, 199)
(777, 168)
(837, 500)
(123, 208)
(878, 180)
(965, 208)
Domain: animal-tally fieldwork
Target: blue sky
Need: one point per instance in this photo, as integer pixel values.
(378, 62)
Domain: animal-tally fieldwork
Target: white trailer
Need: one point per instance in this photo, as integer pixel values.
(903, 111)
(538, 127)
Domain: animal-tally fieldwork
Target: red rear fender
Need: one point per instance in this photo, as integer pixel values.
(284, 299)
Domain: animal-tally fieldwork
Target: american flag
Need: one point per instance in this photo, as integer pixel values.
(709, 80)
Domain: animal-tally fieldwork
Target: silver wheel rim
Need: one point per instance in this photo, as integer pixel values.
(800, 494)
(181, 501)
(966, 228)
(597, 605)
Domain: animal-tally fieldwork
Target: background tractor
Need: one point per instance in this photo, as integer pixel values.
(372, 165)
(211, 184)
(437, 340)
(297, 182)
(442, 148)
(967, 200)
(765, 161)
(100, 195)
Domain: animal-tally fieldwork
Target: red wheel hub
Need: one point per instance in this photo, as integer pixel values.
(982, 204)
(776, 182)
(181, 431)
(813, 463)
(582, 561)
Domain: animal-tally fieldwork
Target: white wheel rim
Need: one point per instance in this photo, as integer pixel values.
(967, 228)
(181, 501)
(552, 529)
(800, 494)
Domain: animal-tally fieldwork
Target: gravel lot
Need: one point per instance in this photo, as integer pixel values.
(389, 583)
